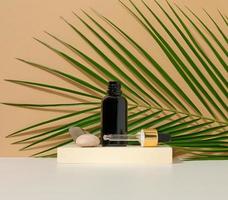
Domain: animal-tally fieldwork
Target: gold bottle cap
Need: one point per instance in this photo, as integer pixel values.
(149, 137)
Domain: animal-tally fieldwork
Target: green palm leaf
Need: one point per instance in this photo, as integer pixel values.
(51, 105)
(94, 63)
(223, 17)
(152, 103)
(211, 34)
(217, 26)
(203, 63)
(111, 63)
(189, 58)
(82, 123)
(182, 65)
(217, 72)
(41, 85)
(54, 120)
(91, 120)
(165, 47)
(65, 127)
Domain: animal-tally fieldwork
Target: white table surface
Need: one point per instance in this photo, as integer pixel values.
(41, 179)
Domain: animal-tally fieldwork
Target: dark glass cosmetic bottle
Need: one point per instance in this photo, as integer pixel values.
(114, 114)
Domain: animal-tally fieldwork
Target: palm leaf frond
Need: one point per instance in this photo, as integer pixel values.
(211, 34)
(51, 105)
(217, 26)
(152, 102)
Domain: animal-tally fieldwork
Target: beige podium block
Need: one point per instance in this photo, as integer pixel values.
(114, 155)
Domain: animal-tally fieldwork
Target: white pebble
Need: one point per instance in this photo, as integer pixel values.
(87, 140)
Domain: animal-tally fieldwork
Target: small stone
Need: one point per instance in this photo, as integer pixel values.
(75, 132)
(87, 140)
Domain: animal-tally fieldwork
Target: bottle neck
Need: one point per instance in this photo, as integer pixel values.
(114, 88)
(114, 93)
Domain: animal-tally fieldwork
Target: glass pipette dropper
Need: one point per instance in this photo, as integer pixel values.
(146, 137)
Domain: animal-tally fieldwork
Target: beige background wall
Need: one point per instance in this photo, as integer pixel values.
(20, 20)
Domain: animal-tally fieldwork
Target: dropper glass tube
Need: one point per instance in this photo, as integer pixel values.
(146, 137)
(124, 138)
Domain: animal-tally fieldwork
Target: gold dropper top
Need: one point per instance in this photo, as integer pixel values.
(150, 137)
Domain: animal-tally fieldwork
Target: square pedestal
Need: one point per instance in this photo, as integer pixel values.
(114, 155)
